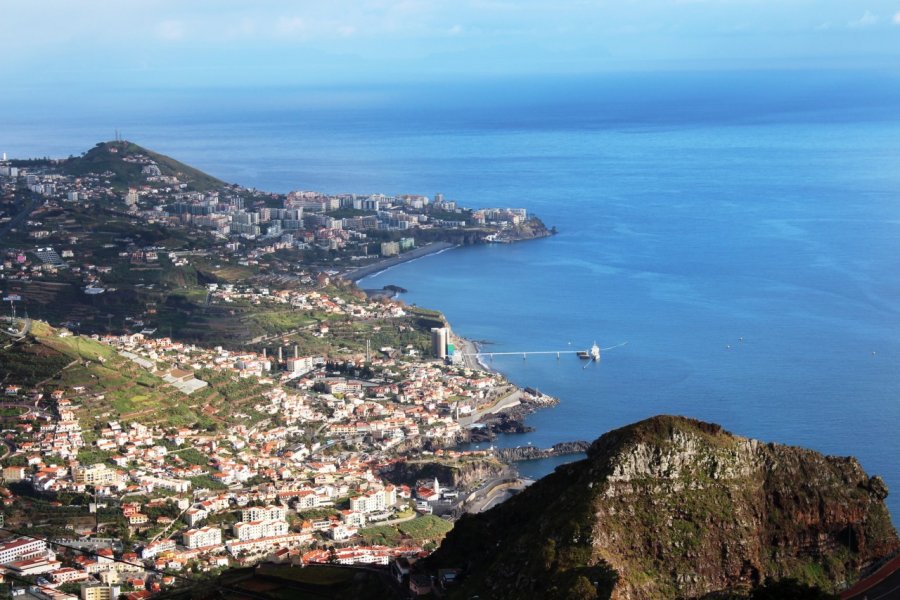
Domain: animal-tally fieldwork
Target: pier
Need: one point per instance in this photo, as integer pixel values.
(592, 353)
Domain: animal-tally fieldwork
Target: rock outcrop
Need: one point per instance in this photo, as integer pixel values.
(676, 508)
(460, 474)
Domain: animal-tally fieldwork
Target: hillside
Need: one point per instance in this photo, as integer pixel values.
(113, 157)
(114, 387)
(676, 508)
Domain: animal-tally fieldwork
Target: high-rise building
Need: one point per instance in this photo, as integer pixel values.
(439, 338)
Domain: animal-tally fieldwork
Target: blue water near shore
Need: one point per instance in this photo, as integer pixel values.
(693, 211)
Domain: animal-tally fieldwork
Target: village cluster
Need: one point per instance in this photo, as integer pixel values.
(298, 474)
(247, 221)
(267, 476)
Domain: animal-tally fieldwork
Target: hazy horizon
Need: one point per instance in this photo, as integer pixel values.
(115, 45)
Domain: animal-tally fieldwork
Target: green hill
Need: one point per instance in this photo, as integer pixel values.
(113, 157)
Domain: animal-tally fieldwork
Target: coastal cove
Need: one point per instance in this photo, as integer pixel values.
(692, 211)
(737, 306)
(456, 300)
(588, 394)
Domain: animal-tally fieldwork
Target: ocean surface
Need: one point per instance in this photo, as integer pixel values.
(741, 232)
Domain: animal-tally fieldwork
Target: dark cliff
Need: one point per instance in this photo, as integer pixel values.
(676, 508)
(455, 473)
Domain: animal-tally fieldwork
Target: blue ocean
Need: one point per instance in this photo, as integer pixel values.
(740, 231)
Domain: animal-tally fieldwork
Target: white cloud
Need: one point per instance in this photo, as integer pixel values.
(455, 30)
(170, 30)
(346, 30)
(868, 19)
(896, 18)
(290, 25)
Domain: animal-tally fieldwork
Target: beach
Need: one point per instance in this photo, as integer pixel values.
(471, 358)
(355, 275)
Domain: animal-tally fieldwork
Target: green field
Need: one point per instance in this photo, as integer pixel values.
(422, 530)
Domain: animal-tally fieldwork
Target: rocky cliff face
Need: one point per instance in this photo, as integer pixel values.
(458, 474)
(676, 508)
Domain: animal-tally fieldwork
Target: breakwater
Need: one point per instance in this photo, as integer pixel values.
(533, 453)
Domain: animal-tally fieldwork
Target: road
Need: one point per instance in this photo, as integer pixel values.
(17, 336)
(30, 205)
(507, 401)
(7, 448)
(884, 584)
(495, 494)
(412, 516)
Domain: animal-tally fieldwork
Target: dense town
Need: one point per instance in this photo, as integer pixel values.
(250, 222)
(299, 475)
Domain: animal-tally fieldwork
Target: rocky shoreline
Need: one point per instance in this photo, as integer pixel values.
(533, 453)
(511, 419)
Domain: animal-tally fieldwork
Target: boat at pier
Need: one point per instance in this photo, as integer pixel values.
(592, 354)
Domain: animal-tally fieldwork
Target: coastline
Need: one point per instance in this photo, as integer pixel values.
(355, 275)
(469, 350)
(507, 414)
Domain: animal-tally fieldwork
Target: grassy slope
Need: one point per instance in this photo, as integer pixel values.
(129, 392)
(421, 530)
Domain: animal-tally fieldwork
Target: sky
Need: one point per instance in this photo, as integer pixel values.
(183, 44)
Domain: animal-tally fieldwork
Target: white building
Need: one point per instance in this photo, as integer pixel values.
(179, 486)
(260, 529)
(351, 517)
(195, 516)
(301, 365)
(156, 548)
(267, 544)
(263, 513)
(342, 532)
(34, 566)
(374, 500)
(20, 549)
(98, 474)
(203, 537)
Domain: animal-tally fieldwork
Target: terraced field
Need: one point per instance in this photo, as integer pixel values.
(114, 387)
